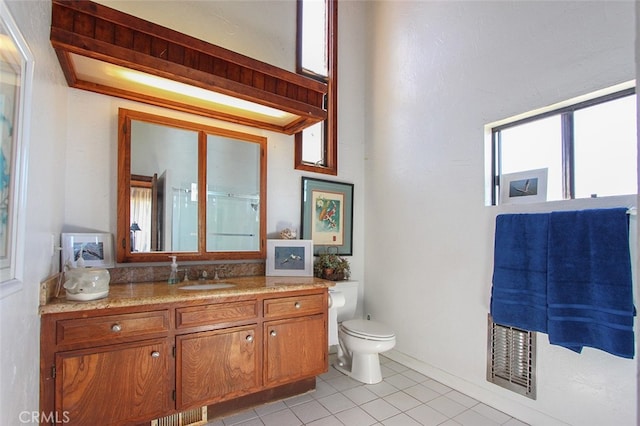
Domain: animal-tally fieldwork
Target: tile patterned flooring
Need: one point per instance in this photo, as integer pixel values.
(404, 398)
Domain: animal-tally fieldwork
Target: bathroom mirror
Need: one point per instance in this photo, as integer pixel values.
(188, 189)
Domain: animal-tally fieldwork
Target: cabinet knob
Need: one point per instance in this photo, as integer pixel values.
(249, 338)
(273, 333)
(116, 328)
(155, 354)
(297, 305)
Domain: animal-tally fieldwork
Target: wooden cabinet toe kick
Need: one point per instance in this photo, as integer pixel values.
(236, 405)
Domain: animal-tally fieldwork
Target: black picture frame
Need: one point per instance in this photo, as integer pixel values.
(327, 215)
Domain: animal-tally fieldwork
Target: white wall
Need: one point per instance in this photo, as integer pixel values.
(19, 320)
(432, 75)
(440, 71)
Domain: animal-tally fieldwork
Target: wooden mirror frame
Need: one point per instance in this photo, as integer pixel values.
(123, 242)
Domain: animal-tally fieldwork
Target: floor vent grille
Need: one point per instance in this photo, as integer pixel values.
(197, 416)
(511, 358)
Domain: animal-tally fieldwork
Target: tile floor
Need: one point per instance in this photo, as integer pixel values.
(404, 398)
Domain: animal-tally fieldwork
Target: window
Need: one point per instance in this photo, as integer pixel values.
(588, 149)
(316, 148)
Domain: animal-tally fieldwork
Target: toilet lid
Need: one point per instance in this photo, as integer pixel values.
(368, 329)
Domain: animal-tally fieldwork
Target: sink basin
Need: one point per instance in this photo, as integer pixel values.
(206, 286)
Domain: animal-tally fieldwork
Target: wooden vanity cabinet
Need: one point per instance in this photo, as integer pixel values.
(216, 366)
(293, 349)
(122, 383)
(118, 366)
(221, 364)
(97, 367)
(295, 336)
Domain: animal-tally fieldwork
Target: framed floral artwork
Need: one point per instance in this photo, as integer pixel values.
(327, 215)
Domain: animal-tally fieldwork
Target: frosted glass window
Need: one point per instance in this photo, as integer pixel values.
(313, 140)
(314, 37)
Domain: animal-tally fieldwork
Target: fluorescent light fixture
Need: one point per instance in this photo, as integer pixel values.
(107, 51)
(196, 92)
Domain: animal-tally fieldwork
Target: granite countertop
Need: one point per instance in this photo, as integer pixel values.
(136, 294)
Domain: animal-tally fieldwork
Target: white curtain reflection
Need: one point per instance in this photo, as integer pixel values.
(141, 214)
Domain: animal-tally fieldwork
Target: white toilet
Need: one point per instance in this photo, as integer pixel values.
(360, 341)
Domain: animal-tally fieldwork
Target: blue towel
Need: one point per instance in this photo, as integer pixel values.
(519, 292)
(589, 288)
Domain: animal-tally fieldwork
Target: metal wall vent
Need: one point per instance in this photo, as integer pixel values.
(511, 358)
(197, 416)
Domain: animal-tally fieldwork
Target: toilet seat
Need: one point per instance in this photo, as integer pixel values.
(369, 330)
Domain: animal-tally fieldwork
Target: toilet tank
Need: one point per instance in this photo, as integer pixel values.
(350, 291)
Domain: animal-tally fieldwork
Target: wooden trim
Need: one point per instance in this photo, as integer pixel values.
(140, 181)
(332, 96)
(123, 244)
(224, 409)
(99, 32)
(202, 192)
(331, 123)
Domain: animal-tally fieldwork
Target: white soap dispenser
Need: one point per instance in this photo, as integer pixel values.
(173, 275)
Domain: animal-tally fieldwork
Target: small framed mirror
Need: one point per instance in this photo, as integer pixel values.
(190, 190)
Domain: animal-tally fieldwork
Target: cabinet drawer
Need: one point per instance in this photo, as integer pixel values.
(218, 313)
(112, 328)
(295, 305)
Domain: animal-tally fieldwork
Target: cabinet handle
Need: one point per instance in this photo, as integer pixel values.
(116, 328)
(297, 305)
(249, 338)
(155, 354)
(273, 333)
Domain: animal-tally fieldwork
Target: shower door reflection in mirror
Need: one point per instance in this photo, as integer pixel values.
(233, 195)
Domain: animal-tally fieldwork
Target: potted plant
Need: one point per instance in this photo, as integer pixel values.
(332, 267)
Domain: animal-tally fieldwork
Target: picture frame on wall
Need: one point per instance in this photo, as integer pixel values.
(327, 215)
(289, 258)
(529, 186)
(15, 110)
(96, 249)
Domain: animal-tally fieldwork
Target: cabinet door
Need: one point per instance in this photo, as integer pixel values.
(216, 365)
(295, 349)
(114, 384)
